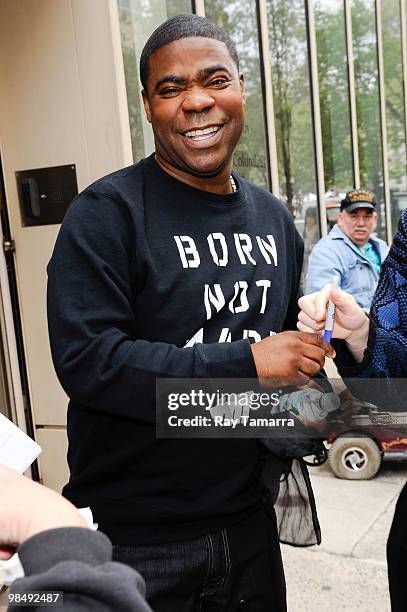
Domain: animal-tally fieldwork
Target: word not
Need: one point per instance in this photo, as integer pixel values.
(239, 302)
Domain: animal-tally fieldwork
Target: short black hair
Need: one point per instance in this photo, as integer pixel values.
(183, 26)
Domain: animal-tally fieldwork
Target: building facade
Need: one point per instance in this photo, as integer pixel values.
(326, 87)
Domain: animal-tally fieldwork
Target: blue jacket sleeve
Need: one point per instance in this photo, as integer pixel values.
(388, 350)
(323, 264)
(386, 355)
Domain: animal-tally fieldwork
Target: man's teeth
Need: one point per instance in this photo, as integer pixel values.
(202, 134)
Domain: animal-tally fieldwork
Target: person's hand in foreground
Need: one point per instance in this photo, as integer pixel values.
(27, 508)
(76, 562)
(351, 322)
(290, 358)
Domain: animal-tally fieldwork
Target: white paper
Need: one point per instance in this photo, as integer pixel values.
(17, 450)
(10, 570)
(88, 516)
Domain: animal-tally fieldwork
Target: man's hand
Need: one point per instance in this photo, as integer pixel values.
(27, 508)
(290, 358)
(351, 322)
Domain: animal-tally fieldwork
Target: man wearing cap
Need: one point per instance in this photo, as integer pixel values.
(350, 250)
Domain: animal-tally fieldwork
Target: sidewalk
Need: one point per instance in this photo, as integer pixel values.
(348, 571)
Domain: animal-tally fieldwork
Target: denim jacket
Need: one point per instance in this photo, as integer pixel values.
(337, 254)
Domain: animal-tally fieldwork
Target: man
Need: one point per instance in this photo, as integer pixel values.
(350, 250)
(172, 268)
(373, 357)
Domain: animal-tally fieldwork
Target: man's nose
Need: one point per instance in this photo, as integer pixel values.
(197, 100)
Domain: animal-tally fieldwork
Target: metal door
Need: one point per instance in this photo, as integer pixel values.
(62, 103)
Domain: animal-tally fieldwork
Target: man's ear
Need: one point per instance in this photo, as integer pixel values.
(242, 87)
(146, 105)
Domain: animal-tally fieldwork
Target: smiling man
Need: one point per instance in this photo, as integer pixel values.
(350, 251)
(176, 267)
(196, 107)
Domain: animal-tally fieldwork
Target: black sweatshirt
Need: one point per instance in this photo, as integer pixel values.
(143, 266)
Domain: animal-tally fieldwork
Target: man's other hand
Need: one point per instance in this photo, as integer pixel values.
(290, 358)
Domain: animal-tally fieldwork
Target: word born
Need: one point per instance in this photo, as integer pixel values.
(219, 250)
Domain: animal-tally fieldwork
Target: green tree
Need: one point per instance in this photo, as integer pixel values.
(367, 95)
(393, 79)
(292, 108)
(130, 64)
(240, 21)
(333, 96)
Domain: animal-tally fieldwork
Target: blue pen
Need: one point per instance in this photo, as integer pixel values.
(330, 315)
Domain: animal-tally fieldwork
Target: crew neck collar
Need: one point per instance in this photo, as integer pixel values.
(222, 199)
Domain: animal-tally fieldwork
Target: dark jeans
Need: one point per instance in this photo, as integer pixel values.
(236, 568)
(397, 555)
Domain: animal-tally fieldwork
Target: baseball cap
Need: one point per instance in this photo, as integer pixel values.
(358, 198)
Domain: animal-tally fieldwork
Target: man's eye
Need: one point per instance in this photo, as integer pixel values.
(169, 91)
(219, 82)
